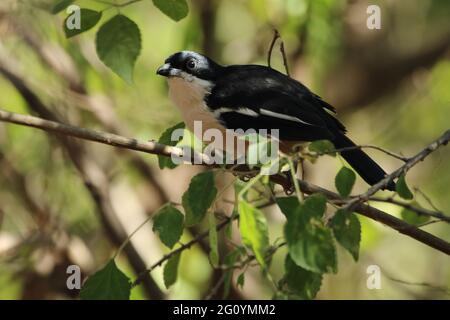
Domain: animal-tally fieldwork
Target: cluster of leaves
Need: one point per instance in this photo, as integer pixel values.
(311, 239)
(118, 40)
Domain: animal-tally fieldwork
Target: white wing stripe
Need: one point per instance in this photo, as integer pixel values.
(283, 116)
(244, 111)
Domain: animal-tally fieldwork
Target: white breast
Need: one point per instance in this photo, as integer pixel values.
(188, 97)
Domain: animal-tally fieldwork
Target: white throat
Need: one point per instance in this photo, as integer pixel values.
(188, 95)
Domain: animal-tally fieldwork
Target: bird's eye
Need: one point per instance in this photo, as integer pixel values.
(191, 64)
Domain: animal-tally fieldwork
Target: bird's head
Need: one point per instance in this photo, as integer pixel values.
(190, 66)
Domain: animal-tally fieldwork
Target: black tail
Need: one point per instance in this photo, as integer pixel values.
(368, 169)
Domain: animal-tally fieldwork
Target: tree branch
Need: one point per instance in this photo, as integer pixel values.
(355, 204)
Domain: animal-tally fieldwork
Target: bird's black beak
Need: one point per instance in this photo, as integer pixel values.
(164, 70)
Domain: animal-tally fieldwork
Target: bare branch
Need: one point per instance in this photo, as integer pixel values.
(355, 204)
(365, 146)
(418, 210)
(442, 140)
(276, 35)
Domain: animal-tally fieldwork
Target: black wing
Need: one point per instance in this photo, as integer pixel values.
(257, 97)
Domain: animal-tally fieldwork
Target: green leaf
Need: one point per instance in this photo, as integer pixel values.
(175, 9)
(412, 217)
(118, 45)
(402, 188)
(315, 205)
(301, 282)
(89, 18)
(61, 5)
(310, 243)
(288, 205)
(229, 260)
(254, 232)
(347, 231)
(240, 280)
(214, 250)
(322, 147)
(166, 138)
(170, 273)
(168, 222)
(109, 283)
(199, 197)
(344, 181)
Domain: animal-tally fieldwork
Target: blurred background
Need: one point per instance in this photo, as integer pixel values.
(65, 201)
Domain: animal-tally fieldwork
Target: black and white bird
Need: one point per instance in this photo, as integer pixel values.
(258, 97)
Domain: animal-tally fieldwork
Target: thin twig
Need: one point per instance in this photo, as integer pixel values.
(442, 140)
(419, 211)
(276, 35)
(364, 146)
(285, 60)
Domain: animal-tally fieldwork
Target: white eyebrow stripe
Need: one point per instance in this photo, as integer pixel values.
(244, 111)
(283, 116)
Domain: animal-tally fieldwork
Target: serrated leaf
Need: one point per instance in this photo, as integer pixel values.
(199, 197)
(347, 231)
(174, 9)
(322, 147)
(88, 19)
(61, 5)
(402, 188)
(168, 223)
(412, 217)
(303, 283)
(344, 181)
(310, 243)
(170, 273)
(109, 283)
(118, 44)
(214, 250)
(254, 231)
(166, 138)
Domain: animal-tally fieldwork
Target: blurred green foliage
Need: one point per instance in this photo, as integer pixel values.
(321, 37)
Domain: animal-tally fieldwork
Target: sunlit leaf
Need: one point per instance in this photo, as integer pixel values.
(254, 231)
(118, 45)
(109, 283)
